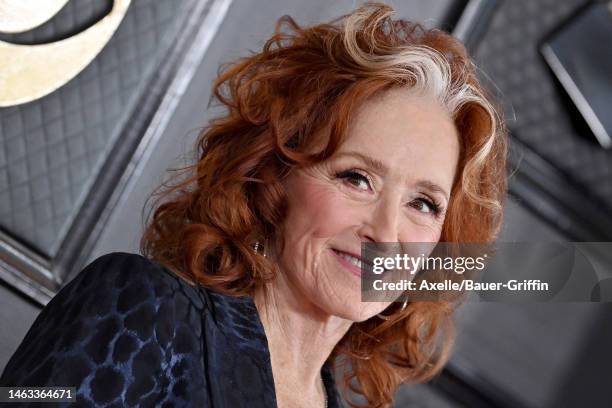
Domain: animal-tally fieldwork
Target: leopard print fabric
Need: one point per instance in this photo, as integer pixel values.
(127, 332)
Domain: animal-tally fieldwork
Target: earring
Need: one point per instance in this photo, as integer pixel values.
(385, 317)
(259, 246)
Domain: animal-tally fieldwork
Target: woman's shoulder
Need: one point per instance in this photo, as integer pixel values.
(134, 279)
(124, 268)
(125, 286)
(116, 331)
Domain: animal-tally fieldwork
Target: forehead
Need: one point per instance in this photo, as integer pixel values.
(406, 131)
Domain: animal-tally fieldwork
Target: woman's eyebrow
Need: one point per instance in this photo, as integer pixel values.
(432, 187)
(376, 164)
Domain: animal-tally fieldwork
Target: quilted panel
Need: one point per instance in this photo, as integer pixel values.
(537, 109)
(72, 18)
(52, 149)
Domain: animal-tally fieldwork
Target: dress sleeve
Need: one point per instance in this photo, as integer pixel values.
(117, 332)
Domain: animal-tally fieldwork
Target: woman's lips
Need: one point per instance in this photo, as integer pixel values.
(354, 269)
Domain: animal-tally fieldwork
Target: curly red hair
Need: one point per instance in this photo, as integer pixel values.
(289, 106)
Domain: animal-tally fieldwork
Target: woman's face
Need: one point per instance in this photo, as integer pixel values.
(390, 181)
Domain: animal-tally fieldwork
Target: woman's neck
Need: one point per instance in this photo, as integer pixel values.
(300, 337)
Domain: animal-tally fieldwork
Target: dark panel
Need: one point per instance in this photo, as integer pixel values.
(562, 172)
(54, 147)
(67, 157)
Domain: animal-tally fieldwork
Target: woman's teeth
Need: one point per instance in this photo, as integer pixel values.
(351, 259)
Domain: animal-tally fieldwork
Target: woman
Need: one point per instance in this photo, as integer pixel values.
(367, 129)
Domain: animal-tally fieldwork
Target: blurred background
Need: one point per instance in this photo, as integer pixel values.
(77, 165)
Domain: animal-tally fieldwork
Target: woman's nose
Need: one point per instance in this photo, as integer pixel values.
(382, 224)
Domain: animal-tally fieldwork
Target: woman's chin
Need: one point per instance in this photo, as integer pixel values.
(359, 311)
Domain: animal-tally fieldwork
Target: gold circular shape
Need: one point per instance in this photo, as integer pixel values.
(17, 16)
(29, 72)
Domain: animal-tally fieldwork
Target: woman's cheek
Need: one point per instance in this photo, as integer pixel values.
(338, 212)
(320, 203)
(422, 233)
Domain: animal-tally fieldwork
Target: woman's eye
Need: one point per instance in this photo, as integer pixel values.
(425, 206)
(356, 179)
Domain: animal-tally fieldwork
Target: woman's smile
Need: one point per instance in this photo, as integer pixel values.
(351, 262)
